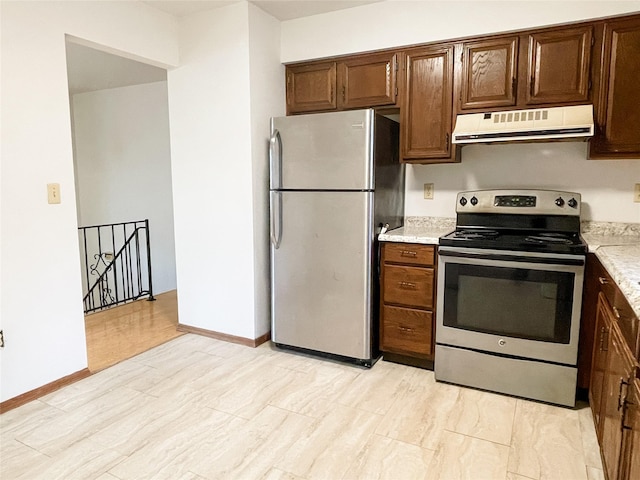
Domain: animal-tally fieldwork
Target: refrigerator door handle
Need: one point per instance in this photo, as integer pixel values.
(275, 159)
(276, 219)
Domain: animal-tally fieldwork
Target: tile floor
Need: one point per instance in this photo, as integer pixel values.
(198, 408)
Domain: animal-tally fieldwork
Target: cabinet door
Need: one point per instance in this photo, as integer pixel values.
(311, 88)
(620, 368)
(589, 334)
(427, 105)
(489, 73)
(618, 105)
(367, 81)
(630, 462)
(599, 363)
(558, 70)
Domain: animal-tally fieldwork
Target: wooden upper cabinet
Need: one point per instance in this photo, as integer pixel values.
(558, 66)
(618, 103)
(426, 116)
(361, 81)
(311, 87)
(489, 73)
(367, 81)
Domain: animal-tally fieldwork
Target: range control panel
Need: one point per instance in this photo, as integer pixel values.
(531, 202)
(514, 201)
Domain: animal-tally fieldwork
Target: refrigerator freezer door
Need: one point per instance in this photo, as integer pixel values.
(321, 273)
(323, 151)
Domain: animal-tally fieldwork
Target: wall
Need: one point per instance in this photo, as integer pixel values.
(404, 22)
(123, 166)
(218, 154)
(41, 305)
(266, 75)
(607, 186)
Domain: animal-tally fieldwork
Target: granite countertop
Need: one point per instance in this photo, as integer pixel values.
(427, 230)
(616, 245)
(623, 264)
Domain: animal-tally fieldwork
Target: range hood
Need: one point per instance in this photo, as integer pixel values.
(525, 125)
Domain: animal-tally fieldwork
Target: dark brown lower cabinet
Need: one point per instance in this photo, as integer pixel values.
(612, 397)
(407, 302)
(630, 464)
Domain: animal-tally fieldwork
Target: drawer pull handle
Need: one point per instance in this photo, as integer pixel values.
(603, 280)
(622, 399)
(409, 253)
(407, 285)
(405, 329)
(616, 313)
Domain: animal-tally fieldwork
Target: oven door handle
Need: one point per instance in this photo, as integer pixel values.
(510, 257)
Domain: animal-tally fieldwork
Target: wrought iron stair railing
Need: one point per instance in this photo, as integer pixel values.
(121, 271)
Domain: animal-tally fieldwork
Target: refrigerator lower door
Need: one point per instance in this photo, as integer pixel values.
(321, 272)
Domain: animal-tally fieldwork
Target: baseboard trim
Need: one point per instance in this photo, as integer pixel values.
(225, 336)
(31, 395)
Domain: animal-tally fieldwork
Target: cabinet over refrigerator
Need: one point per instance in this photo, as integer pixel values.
(335, 181)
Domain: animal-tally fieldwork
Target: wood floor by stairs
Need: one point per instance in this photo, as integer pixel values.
(123, 332)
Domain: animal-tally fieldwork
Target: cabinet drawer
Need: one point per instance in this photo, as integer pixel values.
(407, 330)
(409, 253)
(411, 286)
(623, 314)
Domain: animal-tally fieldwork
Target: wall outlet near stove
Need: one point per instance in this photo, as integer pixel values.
(636, 193)
(428, 191)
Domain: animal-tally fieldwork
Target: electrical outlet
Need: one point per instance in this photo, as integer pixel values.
(636, 193)
(428, 191)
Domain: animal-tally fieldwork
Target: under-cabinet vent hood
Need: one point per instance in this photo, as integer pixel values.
(525, 125)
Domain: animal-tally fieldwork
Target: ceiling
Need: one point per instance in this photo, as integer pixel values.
(90, 69)
(280, 9)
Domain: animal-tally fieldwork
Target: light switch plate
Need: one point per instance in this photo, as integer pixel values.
(53, 193)
(636, 193)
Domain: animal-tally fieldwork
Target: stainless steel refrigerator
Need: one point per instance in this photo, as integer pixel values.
(335, 182)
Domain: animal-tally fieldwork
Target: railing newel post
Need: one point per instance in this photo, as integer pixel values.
(146, 226)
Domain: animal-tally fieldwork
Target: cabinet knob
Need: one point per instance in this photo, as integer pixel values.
(603, 280)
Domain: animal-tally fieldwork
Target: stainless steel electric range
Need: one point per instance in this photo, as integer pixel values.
(509, 294)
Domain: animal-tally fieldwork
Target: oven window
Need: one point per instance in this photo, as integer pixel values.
(512, 302)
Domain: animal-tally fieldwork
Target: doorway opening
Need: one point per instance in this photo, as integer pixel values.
(122, 166)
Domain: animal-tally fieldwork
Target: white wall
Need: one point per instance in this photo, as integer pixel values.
(123, 166)
(219, 250)
(41, 305)
(607, 186)
(404, 22)
(267, 100)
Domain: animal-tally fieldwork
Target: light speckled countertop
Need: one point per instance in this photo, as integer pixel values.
(427, 230)
(616, 245)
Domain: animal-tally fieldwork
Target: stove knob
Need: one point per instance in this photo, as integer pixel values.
(463, 201)
(559, 201)
(474, 201)
(573, 203)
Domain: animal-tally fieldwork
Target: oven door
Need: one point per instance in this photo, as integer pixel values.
(519, 304)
